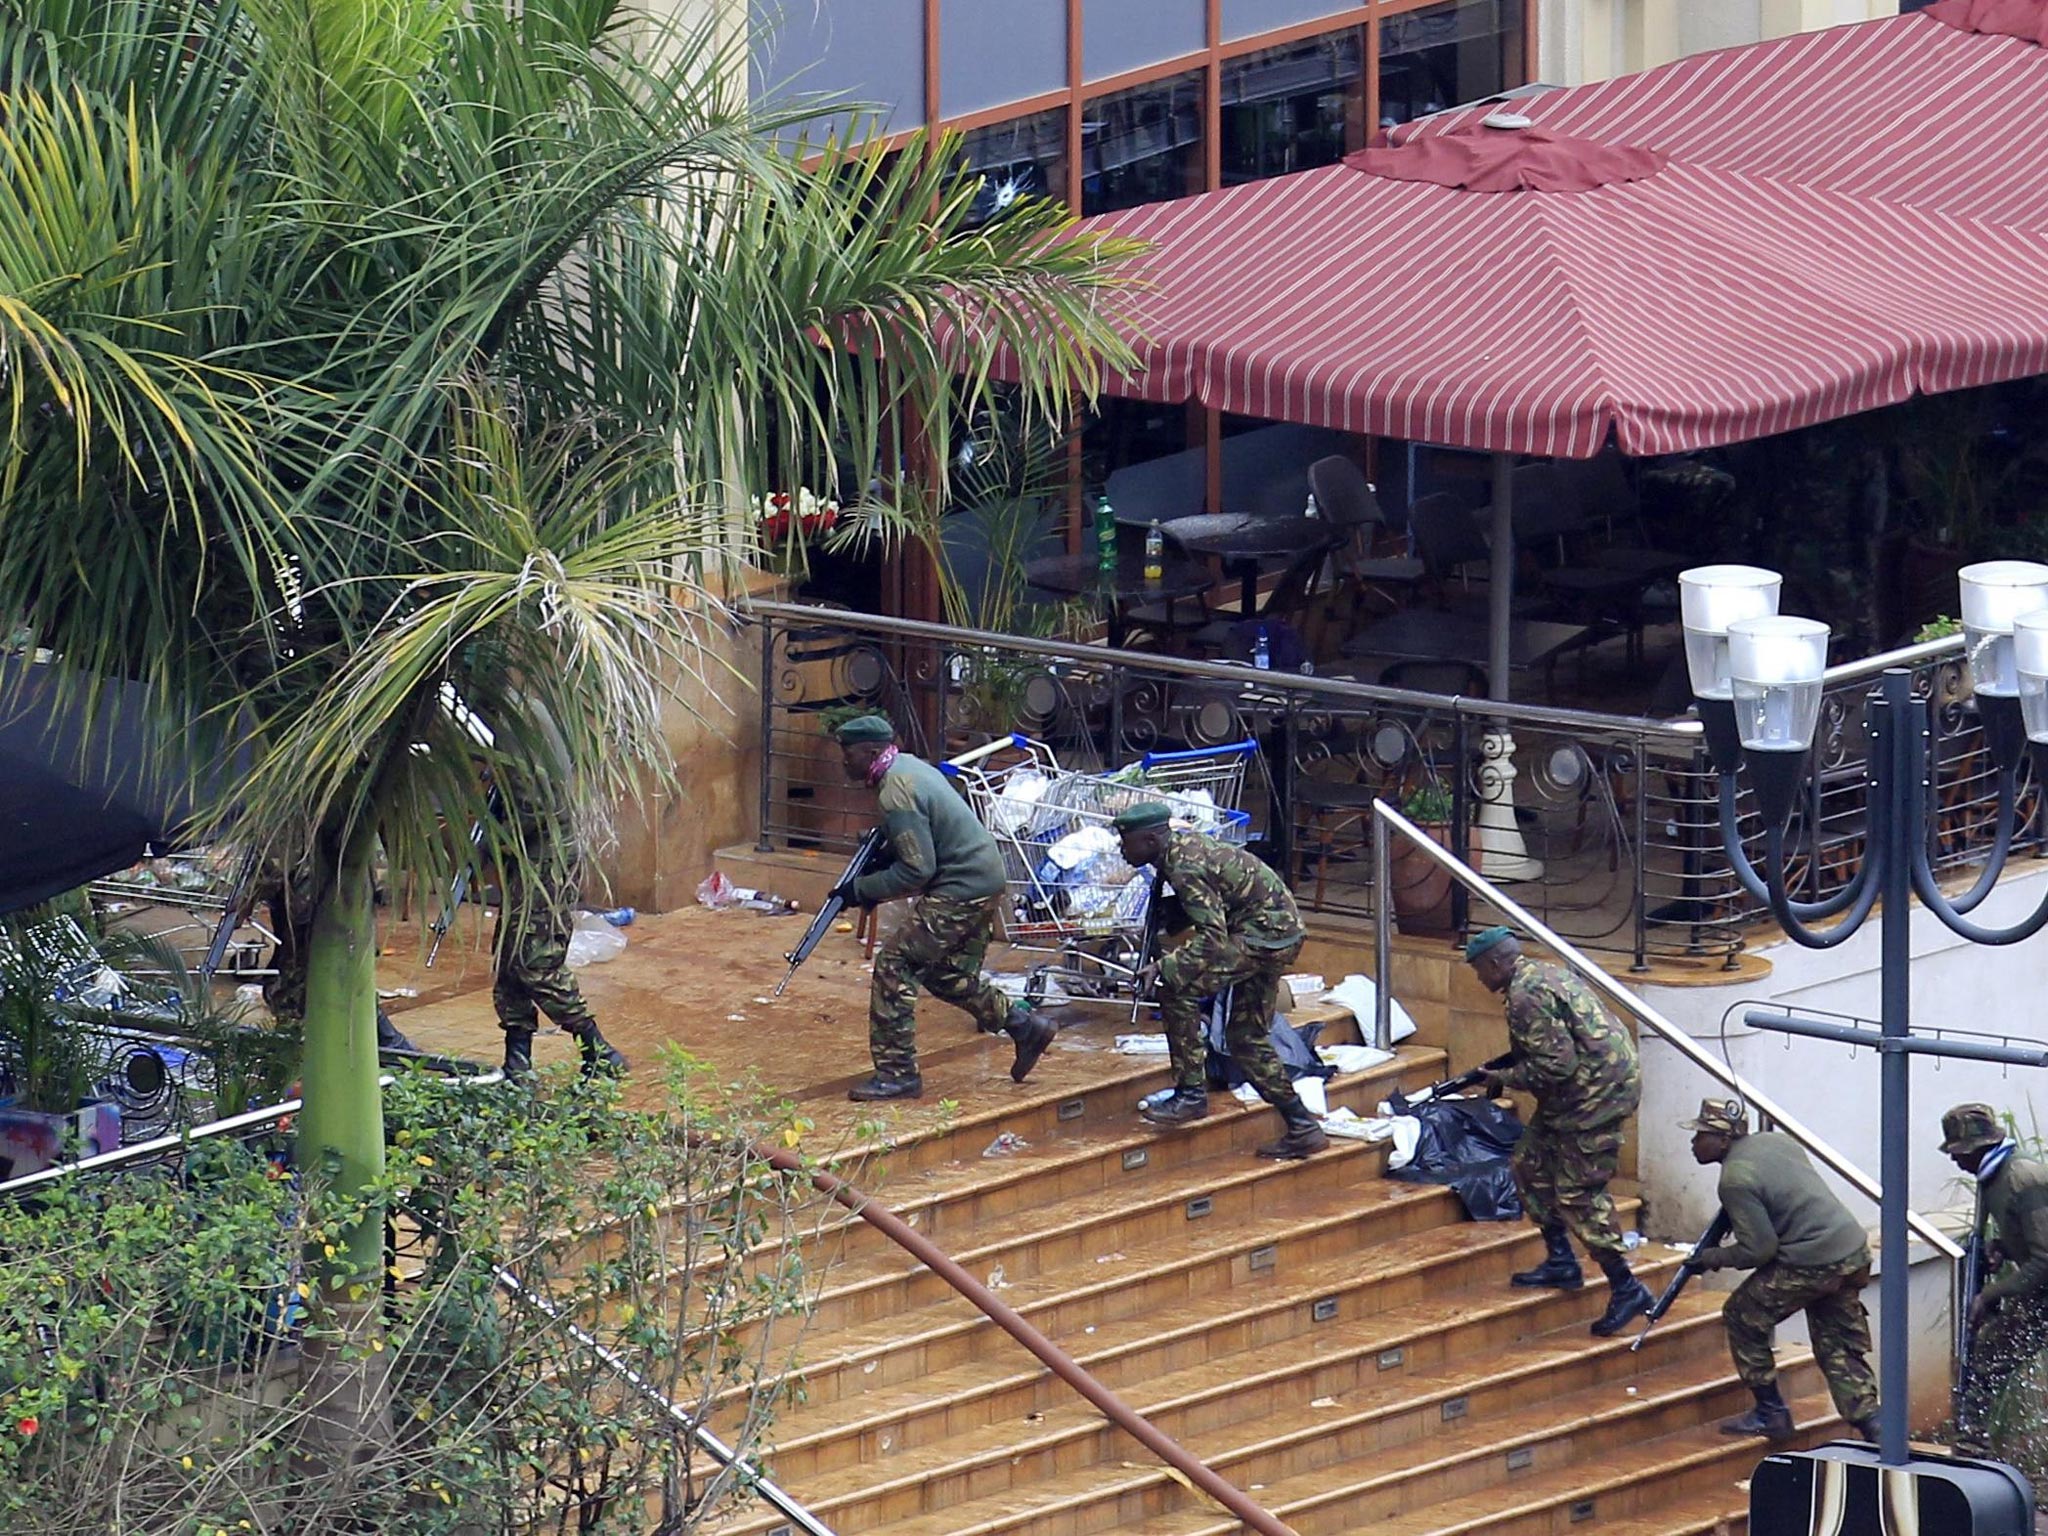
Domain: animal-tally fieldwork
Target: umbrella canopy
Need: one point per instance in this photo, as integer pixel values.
(1690, 306)
(69, 815)
(1907, 109)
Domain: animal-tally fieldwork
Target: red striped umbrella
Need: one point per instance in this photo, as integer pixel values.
(1690, 307)
(1905, 109)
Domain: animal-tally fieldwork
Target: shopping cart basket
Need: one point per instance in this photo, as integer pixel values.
(1069, 893)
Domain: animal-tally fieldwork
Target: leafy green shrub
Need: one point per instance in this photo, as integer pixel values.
(156, 1330)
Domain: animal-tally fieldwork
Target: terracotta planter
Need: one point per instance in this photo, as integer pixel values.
(1420, 887)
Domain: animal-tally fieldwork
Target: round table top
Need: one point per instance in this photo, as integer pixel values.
(1245, 536)
(1080, 575)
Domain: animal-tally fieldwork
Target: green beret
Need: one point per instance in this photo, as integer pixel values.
(1484, 940)
(865, 728)
(1146, 813)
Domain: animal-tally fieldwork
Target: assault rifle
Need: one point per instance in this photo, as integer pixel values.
(1400, 1103)
(460, 888)
(871, 855)
(1716, 1234)
(1974, 1267)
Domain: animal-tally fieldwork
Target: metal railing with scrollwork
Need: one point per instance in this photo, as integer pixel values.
(1607, 826)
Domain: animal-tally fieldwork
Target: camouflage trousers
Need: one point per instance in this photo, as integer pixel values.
(2006, 1343)
(1563, 1175)
(533, 960)
(1831, 1295)
(1204, 968)
(941, 949)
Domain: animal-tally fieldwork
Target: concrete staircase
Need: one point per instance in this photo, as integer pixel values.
(1341, 1345)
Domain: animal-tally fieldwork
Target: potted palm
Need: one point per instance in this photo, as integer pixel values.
(51, 1108)
(1420, 887)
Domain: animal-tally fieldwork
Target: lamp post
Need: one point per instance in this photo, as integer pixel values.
(1758, 677)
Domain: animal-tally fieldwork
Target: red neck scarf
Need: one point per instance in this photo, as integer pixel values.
(883, 761)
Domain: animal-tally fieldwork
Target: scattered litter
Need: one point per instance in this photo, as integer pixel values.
(1352, 1058)
(1324, 1402)
(1310, 1091)
(1631, 1391)
(251, 992)
(1355, 995)
(888, 1444)
(1089, 1329)
(718, 892)
(765, 1001)
(1678, 1247)
(1107, 1258)
(619, 917)
(1141, 1045)
(1247, 1094)
(593, 941)
(1034, 1417)
(735, 1018)
(996, 1282)
(1005, 1144)
(1152, 1100)
(842, 927)
(398, 991)
(869, 1368)
(1633, 1239)
(1352, 1126)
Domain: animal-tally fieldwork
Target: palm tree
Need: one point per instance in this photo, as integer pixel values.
(370, 372)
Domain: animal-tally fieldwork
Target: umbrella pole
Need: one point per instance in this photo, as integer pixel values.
(1503, 855)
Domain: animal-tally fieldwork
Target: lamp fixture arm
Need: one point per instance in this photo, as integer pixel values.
(1754, 885)
(1928, 889)
(1786, 912)
(2001, 846)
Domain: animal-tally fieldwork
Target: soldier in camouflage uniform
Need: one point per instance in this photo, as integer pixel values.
(2008, 1320)
(290, 901)
(539, 896)
(1579, 1063)
(1246, 933)
(950, 862)
(1805, 1251)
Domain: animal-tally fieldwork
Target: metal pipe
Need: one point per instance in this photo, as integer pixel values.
(717, 1449)
(1896, 716)
(1665, 1030)
(1873, 1039)
(1055, 1359)
(1500, 577)
(1382, 938)
(763, 843)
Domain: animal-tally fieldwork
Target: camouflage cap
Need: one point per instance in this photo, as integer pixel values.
(864, 728)
(1484, 940)
(1725, 1117)
(1970, 1128)
(1143, 815)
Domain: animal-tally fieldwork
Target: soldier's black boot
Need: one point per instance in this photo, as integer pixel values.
(1866, 1430)
(599, 1054)
(1304, 1136)
(884, 1086)
(518, 1052)
(389, 1037)
(1559, 1267)
(1032, 1032)
(1186, 1106)
(1629, 1298)
(1769, 1418)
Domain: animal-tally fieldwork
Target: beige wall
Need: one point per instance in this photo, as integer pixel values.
(1582, 40)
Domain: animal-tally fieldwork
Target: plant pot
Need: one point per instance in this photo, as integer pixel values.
(33, 1139)
(1421, 887)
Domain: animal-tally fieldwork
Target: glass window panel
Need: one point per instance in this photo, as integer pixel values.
(1141, 145)
(872, 54)
(993, 51)
(1117, 35)
(1025, 157)
(1243, 18)
(1293, 107)
(1447, 55)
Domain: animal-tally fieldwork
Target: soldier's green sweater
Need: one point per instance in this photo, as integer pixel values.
(940, 848)
(1780, 1209)
(2016, 1215)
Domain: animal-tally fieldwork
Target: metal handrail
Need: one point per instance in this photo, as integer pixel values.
(270, 1115)
(1389, 821)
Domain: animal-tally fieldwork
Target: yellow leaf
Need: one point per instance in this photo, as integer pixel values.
(424, 1161)
(792, 1136)
(185, 1462)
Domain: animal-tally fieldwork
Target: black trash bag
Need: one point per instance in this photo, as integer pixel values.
(1466, 1144)
(1295, 1045)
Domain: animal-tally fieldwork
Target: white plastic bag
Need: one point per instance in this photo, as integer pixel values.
(593, 941)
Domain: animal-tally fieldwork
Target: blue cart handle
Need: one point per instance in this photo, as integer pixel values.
(1235, 749)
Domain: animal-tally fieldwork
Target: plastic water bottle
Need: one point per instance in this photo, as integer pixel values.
(762, 901)
(1105, 538)
(619, 917)
(1155, 553)
(1311, 511)
(1262, 651)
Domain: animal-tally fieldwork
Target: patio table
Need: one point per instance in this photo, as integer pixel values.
(1428, 634)
(1245, 542)
(1082, 576)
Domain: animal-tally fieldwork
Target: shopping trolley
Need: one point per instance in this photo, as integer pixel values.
(1069, 894)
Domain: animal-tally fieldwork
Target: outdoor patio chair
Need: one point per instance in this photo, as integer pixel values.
(1447, 537)
(1600, 486)
(1347, 500)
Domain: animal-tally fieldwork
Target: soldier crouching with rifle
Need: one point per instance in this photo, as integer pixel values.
(1579, 1063)
(1806, 1252)
(950, 862)
(2008, 1318)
